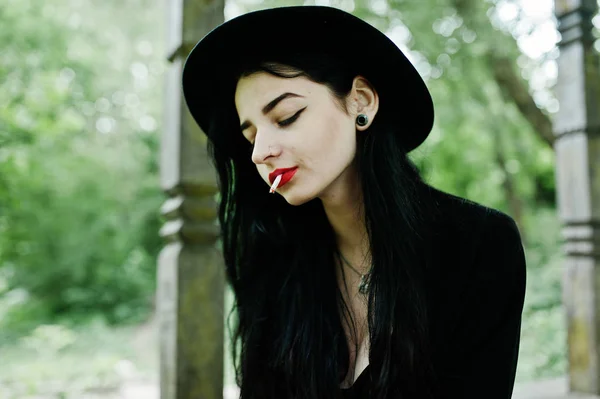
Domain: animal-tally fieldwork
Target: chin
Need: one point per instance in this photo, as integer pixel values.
(295, 199)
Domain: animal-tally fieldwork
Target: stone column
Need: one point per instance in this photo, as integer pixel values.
(577, 146)
(190, 289)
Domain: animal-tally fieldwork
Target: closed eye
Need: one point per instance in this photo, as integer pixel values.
(283, 123)
(291, 120)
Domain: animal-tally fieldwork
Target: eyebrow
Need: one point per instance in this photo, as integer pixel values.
(269, 107)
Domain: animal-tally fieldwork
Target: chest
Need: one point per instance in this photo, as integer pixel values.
(355, 324)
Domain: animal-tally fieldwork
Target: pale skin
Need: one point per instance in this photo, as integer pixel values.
(321, 142)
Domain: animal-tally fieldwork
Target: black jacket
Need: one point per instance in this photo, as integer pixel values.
(476, 290)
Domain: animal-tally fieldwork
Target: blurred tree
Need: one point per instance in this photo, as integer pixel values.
(79, 196)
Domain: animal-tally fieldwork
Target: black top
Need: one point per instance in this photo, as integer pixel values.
(477, 289)
(360, 387)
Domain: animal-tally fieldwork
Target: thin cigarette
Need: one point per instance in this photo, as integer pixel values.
(275, 184)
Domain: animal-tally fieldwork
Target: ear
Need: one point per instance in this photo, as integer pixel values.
(364, 100)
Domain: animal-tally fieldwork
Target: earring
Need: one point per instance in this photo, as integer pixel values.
(362, 119)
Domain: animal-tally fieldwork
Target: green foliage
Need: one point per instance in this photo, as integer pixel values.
(79, 195)
(58, 361)
(543, 333)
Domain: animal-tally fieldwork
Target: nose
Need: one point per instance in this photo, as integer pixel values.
(264, 147)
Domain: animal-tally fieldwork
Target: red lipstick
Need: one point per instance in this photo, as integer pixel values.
(282, 176)
(273, 175)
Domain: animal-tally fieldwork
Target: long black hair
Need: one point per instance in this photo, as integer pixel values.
(288, 339)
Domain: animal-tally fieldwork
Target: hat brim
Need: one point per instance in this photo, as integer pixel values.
(210, 70)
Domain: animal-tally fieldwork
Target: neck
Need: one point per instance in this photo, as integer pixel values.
(343, 204)
(347, 220)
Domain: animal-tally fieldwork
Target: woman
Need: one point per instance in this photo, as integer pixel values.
(352, 276)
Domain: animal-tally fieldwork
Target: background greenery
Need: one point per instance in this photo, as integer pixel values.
(82, 88)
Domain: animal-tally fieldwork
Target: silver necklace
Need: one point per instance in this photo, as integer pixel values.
(363, 286)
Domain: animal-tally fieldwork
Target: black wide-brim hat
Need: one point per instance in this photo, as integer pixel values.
(211, 69)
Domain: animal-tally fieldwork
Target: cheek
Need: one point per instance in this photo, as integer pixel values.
(341, 137)
(331, 144)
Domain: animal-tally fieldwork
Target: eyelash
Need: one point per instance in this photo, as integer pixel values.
(285, 123)
(291, 120)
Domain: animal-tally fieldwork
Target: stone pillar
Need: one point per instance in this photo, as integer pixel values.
(190, 291)
(577, 146)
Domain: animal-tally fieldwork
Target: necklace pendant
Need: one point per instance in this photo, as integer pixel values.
(363, 286)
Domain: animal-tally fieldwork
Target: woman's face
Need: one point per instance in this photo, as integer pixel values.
(294, 122)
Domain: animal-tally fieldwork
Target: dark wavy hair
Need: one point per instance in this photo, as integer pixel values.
(288, 339)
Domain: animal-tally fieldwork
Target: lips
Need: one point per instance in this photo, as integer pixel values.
(287, 173)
